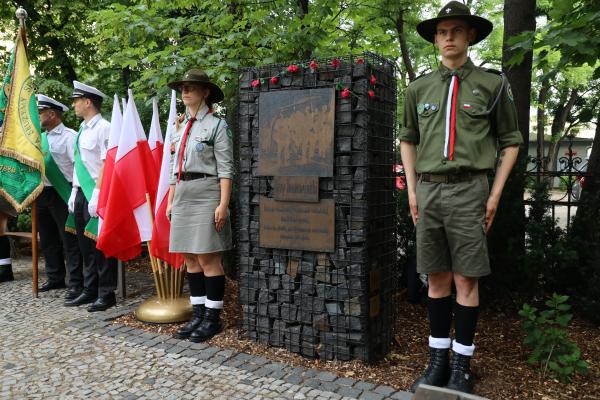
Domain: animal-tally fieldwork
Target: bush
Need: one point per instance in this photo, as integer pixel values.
(547, 254)
(547, 336)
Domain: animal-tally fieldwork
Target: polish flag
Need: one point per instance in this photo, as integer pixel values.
(116, 122)
(127, 219)
(162, 227)
(155, 136)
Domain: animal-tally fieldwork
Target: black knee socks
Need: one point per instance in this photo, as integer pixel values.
(4, 251)
(196, 282)
(215, 291)
(465, 321)
(440, 316)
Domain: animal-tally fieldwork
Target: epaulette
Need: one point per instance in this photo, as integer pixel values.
(493, 71)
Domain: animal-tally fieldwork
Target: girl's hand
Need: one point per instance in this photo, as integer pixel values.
(220, 217)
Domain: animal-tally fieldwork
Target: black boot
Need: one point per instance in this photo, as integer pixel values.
(438, 370)
(197, 316)
(6, 273)
(460, 374)
(210, 326)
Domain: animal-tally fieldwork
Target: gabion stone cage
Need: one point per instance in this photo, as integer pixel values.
(333, 300)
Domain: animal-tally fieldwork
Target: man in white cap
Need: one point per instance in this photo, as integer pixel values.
(56, 226)
(99, 274)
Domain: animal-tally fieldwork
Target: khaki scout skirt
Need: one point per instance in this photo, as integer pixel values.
(193, 218)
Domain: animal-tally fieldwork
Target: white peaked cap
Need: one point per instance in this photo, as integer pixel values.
(83, 90)
(49, 102)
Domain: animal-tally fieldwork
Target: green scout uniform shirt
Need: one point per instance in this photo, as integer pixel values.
(208, 150)
(479, 130)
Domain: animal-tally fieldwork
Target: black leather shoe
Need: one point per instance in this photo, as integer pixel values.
(210, 326)
(83, 298)
(72, 294)
(47, 286)
(460, 374)
(185, 331)
(6, 273)
(102, 303)
(438, 370)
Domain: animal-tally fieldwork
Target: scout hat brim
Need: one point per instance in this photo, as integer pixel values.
(455, 10)
(199, 77)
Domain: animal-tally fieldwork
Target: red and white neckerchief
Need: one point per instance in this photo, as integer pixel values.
(450, 138)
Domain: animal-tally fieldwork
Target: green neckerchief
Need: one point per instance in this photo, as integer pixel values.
(87, 185)
(57, 179)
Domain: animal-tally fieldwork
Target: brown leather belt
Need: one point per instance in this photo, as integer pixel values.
(190, 176)
(451, 178)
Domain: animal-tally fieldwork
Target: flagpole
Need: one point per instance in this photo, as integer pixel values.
(21, 14)
(34, 248)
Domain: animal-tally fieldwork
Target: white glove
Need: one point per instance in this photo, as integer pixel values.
(93, 204)
(71, 202)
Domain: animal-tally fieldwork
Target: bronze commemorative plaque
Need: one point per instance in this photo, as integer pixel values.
(296, 188)
(296, 225)
(296, 130)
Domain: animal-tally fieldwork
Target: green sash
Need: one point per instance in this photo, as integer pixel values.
(87, 184)
(58, 180)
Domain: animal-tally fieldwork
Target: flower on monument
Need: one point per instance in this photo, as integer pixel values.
(360, 61)
(346, 93)
(313, 65)
(371, 94)
(256, 83)
(275, 80)
(293, 68)
(373, 80)
(335, 63)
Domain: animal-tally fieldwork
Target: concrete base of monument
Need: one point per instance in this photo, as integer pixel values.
(164, 311)
(427, 392)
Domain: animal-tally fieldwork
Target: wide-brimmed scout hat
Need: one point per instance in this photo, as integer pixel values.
(455, 9)
(200, 77)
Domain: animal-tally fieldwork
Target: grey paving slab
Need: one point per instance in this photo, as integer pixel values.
(51, 351)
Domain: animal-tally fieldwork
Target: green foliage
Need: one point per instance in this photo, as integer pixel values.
(571, 31)
(544, 267)
(23, 221)
(552, 350)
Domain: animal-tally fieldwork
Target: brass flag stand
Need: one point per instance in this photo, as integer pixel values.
(167, 306)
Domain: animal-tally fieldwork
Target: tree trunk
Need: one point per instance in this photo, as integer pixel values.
(303, 4)
(541, 120)
(507, 239)
(403, 47)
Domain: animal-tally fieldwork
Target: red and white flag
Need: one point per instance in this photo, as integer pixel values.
(116, 122)
(162, 226)
(155, 139)
(127, 219)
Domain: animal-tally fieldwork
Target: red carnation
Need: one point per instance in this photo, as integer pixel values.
(371, 94)
(373, 80)
(256, 83)
(346, 93)
(293, 68)
(274, 80)
(360, 61)
(335, 63)
(313, 65)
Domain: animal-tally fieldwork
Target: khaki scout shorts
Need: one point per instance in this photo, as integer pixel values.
(451, 227)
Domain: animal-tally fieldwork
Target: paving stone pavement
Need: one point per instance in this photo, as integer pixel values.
(50, 351)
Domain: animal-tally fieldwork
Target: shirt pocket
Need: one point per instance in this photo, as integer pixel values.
(475, 117)
(427, 115)
(88, 142)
